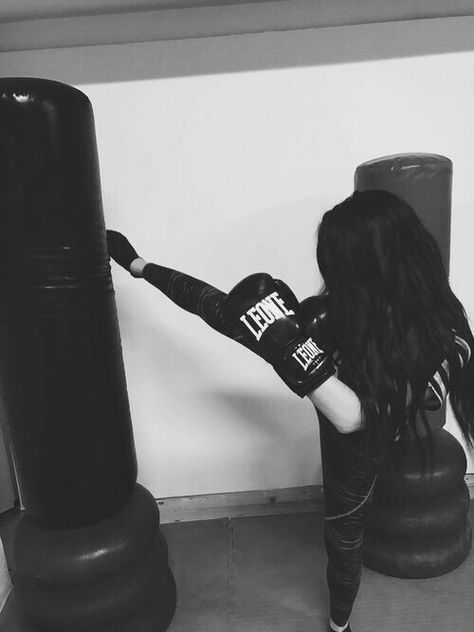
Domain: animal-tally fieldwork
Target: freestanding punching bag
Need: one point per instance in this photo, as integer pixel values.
(89, 555)
(419, 526)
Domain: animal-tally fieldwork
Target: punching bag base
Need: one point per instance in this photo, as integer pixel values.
(109, 577)
(418, 558)
(154, 616)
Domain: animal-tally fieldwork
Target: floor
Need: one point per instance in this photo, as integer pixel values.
(267, 573)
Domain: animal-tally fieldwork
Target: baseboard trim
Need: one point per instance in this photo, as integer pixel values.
(250, 503)
(241, 504)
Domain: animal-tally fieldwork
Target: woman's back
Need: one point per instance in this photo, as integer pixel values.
(394, 315)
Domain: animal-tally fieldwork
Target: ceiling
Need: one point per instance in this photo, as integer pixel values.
(47, 24)
(16, 10)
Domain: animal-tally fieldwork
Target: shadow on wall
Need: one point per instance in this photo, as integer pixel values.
(277, 417)
(243, 53)
(272, 414)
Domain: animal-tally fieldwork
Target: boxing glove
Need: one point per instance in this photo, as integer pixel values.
(121, 250)
(315, 320)
(266, 313)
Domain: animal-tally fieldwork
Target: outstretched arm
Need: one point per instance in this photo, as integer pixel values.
(335, 399)
(193, 295)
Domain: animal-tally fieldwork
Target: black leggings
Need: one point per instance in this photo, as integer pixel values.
(349, 479)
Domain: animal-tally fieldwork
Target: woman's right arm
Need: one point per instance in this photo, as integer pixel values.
(191, 294)
(337, 401)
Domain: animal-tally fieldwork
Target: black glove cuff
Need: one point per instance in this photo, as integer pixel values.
(306, 388)
(305, 367)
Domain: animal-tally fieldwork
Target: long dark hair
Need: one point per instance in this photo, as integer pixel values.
(393, 312)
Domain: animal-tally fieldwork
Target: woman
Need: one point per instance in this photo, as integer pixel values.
(386, 339)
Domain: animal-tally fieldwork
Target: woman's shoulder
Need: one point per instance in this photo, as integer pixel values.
(439, 383)
(464, 350)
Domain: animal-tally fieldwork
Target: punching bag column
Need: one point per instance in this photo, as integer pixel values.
(419, 525)
(88, 552)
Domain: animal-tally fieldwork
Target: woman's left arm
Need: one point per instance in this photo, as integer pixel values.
(340, 404)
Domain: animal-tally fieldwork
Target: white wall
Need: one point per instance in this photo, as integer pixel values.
(221, 174)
